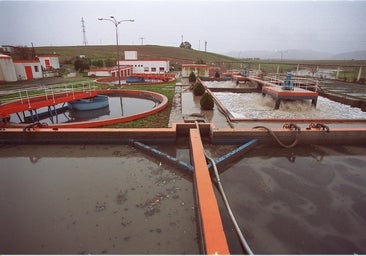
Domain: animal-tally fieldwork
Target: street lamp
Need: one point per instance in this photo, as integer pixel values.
(116, 23)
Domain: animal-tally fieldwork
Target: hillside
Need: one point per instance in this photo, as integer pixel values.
(176, 55)
(298, 54)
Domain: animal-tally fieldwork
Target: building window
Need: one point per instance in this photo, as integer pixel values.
(161, 69)
(36, 69)
(146, 69)
(153, 69)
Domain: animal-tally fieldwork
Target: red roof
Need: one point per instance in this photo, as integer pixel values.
(143, 60)
(3, 56)
(26, 61)
(110, 69)
(47, 55)
(195, 66)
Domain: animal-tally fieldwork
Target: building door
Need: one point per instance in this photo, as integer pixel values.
(28, 72)
(48, 65)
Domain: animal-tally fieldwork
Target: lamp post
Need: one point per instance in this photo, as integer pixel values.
(116, 23)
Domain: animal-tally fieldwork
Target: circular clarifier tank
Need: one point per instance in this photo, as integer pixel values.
(123, 106)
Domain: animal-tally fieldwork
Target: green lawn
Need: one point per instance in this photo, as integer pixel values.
(158, 120)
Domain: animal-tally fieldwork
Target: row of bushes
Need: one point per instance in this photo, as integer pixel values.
(207, 101)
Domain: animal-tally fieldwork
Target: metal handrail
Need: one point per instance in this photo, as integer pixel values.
(278, 79)
(25, 95)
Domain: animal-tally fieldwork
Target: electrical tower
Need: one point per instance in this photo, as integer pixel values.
(85, 42)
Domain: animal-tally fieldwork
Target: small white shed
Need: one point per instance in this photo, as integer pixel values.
(28, 69)
(198, 69)
(49, 61)
(130, 55)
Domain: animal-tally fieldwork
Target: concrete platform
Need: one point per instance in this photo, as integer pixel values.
(277, 93)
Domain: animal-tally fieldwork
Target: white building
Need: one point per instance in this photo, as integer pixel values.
(130, 55)
(147, 66)
(49, 61)
(144, 66)
(28, 69)
(7, 69)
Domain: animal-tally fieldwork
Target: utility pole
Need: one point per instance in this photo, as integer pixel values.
(205, 46)
(142, 40)
(84, 33)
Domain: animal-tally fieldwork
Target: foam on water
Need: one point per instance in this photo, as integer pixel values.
(254, 105)
(220, 84)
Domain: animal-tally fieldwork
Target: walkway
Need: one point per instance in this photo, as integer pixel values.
(46, 100)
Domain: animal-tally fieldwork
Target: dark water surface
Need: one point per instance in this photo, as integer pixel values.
(93, 199)
(114, 199)
(119, 106)
(305, 200)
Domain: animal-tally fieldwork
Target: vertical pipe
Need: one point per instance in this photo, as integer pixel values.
(29, 105)
(20, 96)
(338, 69)
(359, 74)
(53, 96)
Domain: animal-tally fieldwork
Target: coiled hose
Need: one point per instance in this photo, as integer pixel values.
(293, 144)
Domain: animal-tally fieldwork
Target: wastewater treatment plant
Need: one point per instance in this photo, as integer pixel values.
(275, 166)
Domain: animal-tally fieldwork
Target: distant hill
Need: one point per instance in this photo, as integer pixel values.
(297, 54)
(356, 55)
(176, 55)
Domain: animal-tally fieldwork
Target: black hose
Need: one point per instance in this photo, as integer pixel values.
(293, 144)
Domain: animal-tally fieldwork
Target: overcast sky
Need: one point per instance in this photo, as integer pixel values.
(331, 26)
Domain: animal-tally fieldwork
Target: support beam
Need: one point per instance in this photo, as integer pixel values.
(213, 230)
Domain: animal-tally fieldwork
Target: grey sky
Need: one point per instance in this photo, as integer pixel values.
(332, 26)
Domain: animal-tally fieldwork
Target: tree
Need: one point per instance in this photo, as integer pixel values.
(81, 64)
(185, 45)
(22, 53)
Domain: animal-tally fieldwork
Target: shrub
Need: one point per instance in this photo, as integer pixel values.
(110, 63)
(192, 77)
(97, 63)
(207, 101)
(81, 64)
(198, 89)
